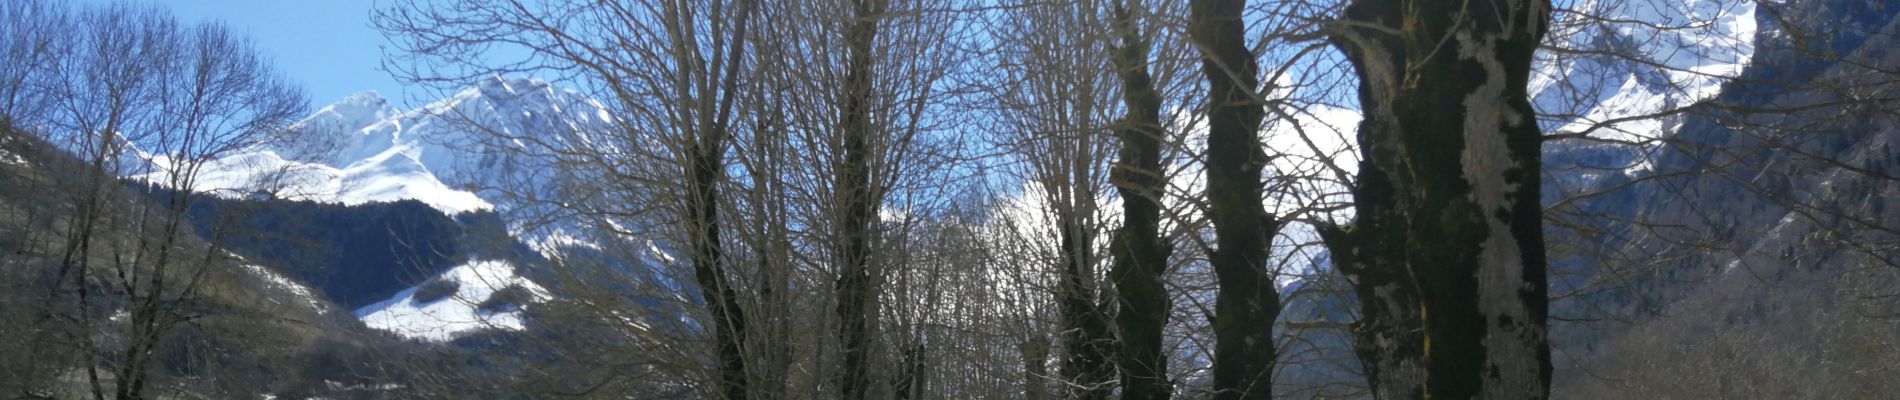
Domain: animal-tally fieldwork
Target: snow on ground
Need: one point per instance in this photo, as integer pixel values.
(280, 282)
(7, 157)
(445, 318)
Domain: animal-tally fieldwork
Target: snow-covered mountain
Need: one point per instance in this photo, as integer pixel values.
(459, 154)
(1612, 62)
(469, 140)
(447, 153)
(1714, 53)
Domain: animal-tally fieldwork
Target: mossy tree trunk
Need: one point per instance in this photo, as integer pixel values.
(1447, 248)
(1247, 302)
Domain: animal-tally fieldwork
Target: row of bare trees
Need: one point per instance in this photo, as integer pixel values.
(1035, 199)
(890, 198)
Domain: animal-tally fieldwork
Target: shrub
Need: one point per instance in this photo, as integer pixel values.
(436, 289)
(506, 299)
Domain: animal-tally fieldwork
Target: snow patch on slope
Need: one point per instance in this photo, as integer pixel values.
(8, 158)
(443, 319)
(280, 282)
(396, 176)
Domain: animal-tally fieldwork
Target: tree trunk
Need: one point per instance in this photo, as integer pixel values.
(911, 382)
(1086, 362)
(1386, 338)
(728, 317)
(1449, 222)
(858, 205)
(1035, 351)
(1141, 256)
(705, 171)
(1247, 302)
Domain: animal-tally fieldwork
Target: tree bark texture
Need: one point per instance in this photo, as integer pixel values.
(1447, 253)
(858, 202)
(1035, 351)
(705, 170)
(715, 286)
(1247, 302)
(1140, 254)
(1088, 347)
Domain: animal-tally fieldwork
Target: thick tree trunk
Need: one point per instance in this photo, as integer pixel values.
(1386, 338)
(1141, 256)
(1085, 332)
(1247, 302)
(1448, 241)
(858, 202)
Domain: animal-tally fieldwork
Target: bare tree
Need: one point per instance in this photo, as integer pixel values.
(31, 38)
(675, 72)
(857, 200)
(134, 93)
(1056, 101)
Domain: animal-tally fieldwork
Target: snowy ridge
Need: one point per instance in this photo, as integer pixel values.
(458, 313)
(361, 149)
(1677, 53)
(389, 178)
(7, 157)
(353, 113)
(479, 138)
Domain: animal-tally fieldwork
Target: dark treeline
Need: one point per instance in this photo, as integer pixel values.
(354, 254)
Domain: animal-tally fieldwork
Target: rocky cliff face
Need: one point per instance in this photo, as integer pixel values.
(1794, 147)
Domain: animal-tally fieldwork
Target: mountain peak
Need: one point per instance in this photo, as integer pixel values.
(352, 113)
(443, 153)
(366, 98)
(497, 86)
(367, 103)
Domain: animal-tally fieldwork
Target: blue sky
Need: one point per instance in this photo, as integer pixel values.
(327, 45)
